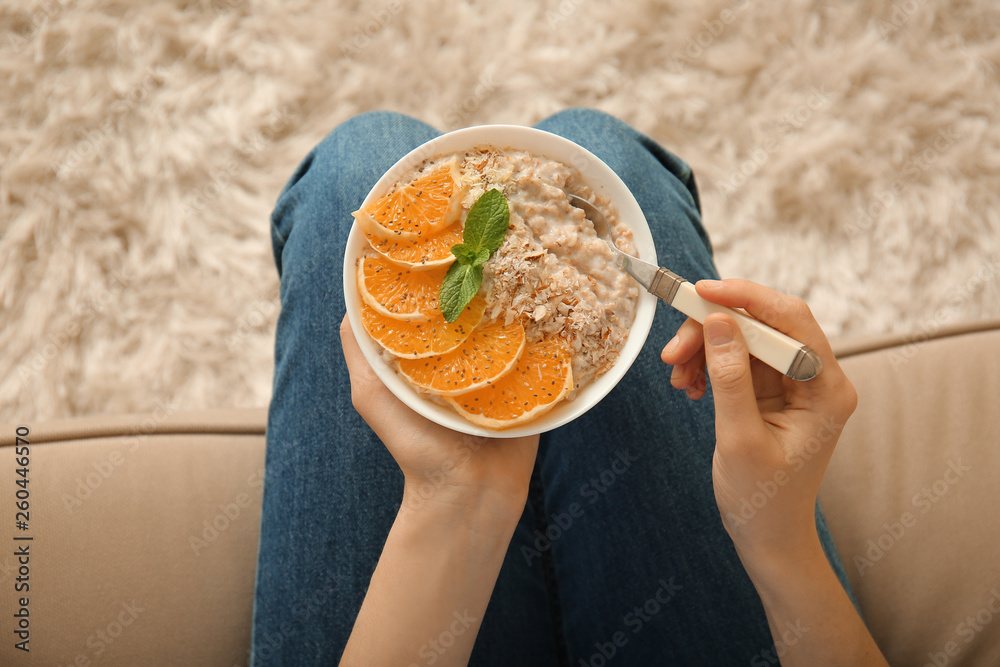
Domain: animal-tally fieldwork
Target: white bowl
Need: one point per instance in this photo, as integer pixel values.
(601, 178)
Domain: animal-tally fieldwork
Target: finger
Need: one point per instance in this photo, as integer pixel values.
(357, 365)
(697, 388)
(679, 377)
(685, 345)
(367, 390)
(697, 392)
(728, 363)
(688, 374)
(686, 351)
(373, 400)
(768, 383)
(787, 314)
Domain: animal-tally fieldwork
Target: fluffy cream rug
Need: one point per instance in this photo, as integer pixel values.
(847, 154)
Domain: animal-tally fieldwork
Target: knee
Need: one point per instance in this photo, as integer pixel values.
(610, 139)
(583, 114)
(366, 124)
(375, 138)
(584, 118)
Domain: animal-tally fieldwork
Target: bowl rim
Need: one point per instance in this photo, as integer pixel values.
(601, 178)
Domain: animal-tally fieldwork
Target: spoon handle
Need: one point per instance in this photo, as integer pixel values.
(782, 353)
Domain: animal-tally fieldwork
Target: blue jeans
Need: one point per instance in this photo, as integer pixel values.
(620, 555)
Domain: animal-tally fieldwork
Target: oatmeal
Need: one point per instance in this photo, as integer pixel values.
(553, 271)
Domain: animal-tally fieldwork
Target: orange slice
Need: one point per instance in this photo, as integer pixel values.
(540, 379)
(397, 292)
(425, 338)
(489, 353)
(430, 252)
(418, 209)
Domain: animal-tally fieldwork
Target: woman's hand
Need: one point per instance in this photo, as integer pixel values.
(439, 465)
(462, 498)
(774, 435)
(774, 438)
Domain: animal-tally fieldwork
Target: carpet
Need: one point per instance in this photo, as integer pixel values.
(848, 153)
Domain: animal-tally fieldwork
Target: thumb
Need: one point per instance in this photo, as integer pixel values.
(728, 363)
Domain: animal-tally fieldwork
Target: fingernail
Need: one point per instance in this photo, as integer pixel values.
(710, 284)
(674, 342)
(719, 333)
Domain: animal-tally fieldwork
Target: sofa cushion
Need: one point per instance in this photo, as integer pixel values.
(145, 527)
(911, 494)
(144, 539)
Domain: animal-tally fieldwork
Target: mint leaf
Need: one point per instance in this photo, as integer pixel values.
(465, 254)
(485, 229)
(460, 284)
(486, 224)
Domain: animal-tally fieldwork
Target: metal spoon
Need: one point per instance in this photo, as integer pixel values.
(782, 353)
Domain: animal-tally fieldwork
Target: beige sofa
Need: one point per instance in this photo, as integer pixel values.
(144, 529)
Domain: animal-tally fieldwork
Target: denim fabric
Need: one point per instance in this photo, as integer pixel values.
(620, 556)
